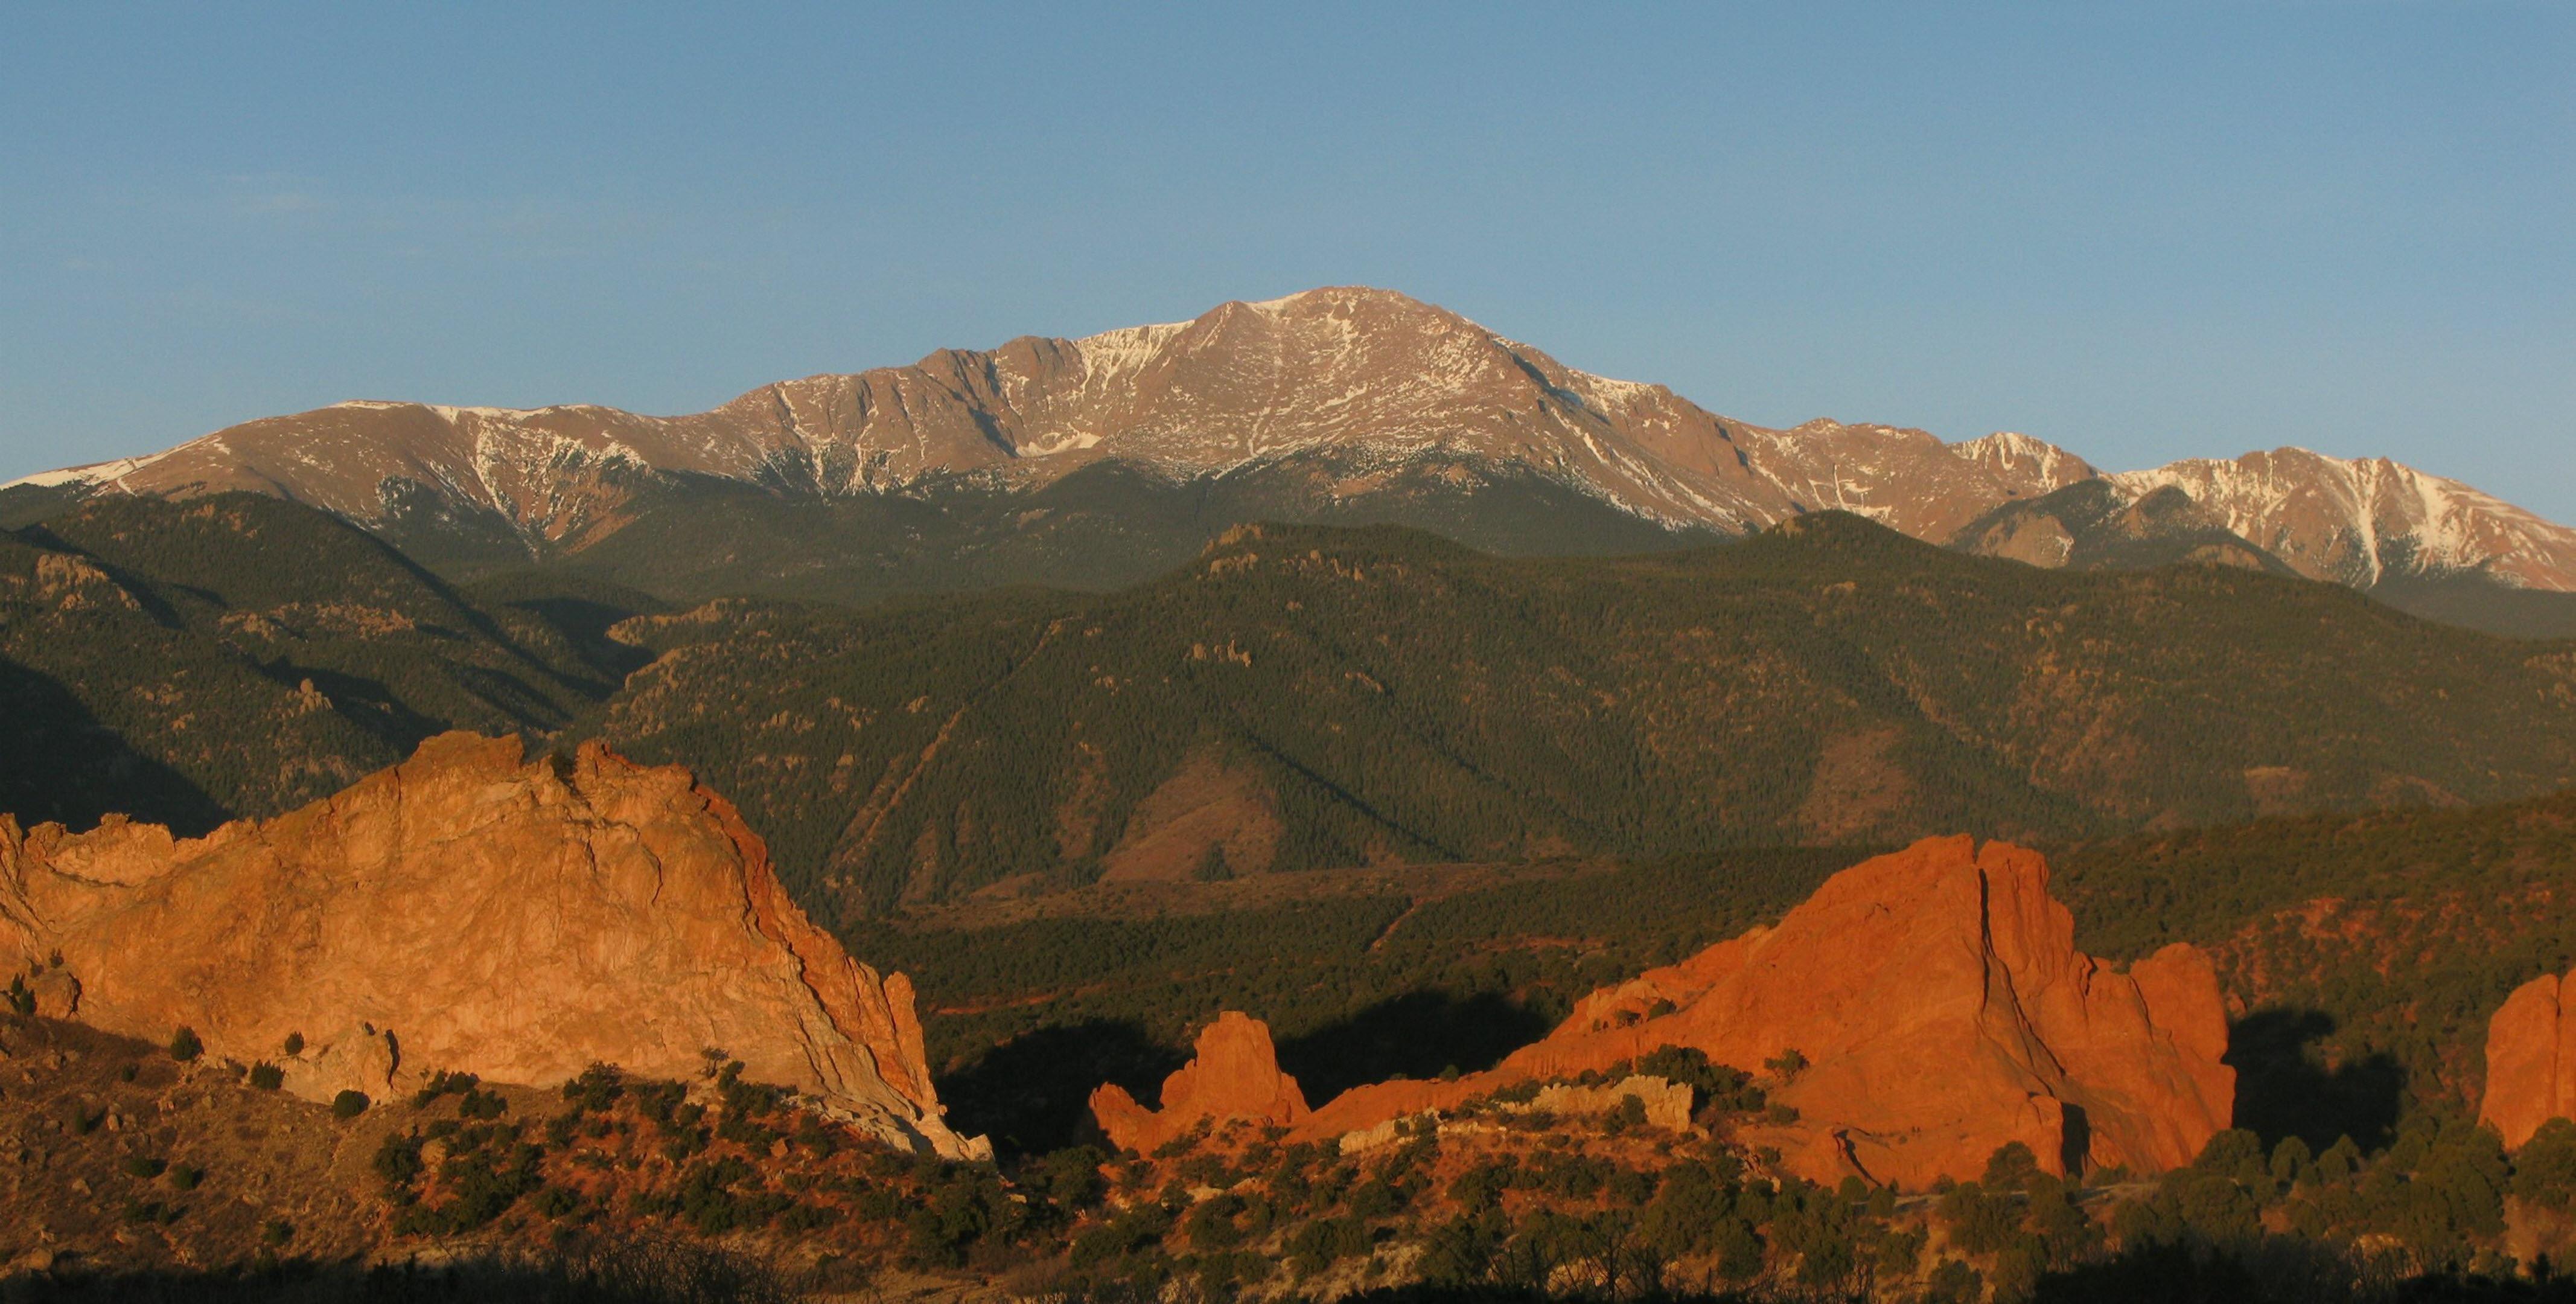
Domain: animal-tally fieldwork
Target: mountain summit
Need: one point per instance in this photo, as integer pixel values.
(1337, 401)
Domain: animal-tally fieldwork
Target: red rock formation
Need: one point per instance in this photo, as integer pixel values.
(1232, 1074)
(1943, 1009)
(466, 911)
(2531, 1061)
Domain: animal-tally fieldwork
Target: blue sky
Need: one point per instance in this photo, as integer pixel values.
(2142, 230)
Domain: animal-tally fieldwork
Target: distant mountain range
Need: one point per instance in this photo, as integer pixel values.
(1099, 461)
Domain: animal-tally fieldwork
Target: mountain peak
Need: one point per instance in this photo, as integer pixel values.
(1369, 394)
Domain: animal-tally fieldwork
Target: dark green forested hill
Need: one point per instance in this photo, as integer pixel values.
(238, 655)
(2366, 950)
(1300, 697)
(1105, 526)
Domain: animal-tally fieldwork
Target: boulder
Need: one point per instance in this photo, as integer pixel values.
(1667, 1104)
(1233, 1074)
(2531, 1061)
(468, 910)
(1940, 1008)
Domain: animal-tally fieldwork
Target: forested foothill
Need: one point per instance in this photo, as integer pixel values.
(1300, 698)
(236, 655)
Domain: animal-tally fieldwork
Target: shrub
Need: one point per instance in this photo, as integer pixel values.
(1072, 1177)
(267, 1076)
(184, 1045)
(807, 1218)
(398, 1159)
(1318, 1244)
(2012, 1167)
(1954, 1283)
(1211, 1225)
(746, 1099)
(2544, 1172)
(445, 1083)
(1629, 1113)
(1979, 1223)
(349, 1104)
(2235, 1154)
(596, 1088)
(1377, 1198)
(294, 1044)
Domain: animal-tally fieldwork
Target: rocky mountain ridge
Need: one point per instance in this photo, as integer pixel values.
(1360, 396)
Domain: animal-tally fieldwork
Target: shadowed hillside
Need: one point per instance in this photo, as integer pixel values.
(238, 655)
(1301, 697)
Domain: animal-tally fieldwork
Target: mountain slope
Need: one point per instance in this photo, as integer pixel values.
(239, 655)
(1381, 378)
(2096, 525)
(2359, 521)
(1301, 697)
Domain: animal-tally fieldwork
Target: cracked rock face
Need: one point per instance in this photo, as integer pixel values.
(466, 910)
(2531, 1061)
(1941, 1010)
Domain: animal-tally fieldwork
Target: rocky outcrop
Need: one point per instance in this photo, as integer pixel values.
(465, 910)
(2531, 1061)
(1233, 1074)
(1940, 1008)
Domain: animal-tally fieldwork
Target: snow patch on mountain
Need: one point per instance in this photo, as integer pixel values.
(96, 473)
(1345, 370)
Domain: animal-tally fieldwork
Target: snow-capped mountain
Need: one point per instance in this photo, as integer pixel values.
(2353, 520)
(1379, 386)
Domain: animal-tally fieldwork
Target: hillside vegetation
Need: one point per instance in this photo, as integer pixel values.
(2367, 951)
(1302, 697)
(236, 655)
(1103, 527)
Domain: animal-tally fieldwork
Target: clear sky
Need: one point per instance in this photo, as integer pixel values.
(2143, 230)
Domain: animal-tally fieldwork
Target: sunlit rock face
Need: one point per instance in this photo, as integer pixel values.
(1941, 1010)
(1233, 1074)
(466, 910)
(2531, 1061)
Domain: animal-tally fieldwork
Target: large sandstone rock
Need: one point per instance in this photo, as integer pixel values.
(2531, 1061)
(1943, 1010)
(1233, 1074)
(467, 911)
